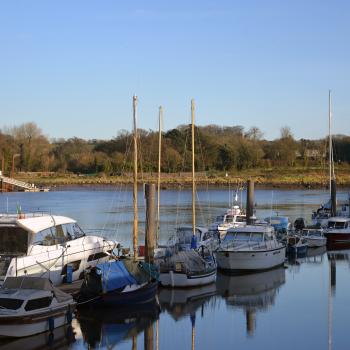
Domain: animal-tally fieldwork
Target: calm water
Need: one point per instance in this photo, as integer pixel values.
(302, 306)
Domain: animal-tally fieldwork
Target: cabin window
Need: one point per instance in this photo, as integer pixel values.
(45, 237)
(96, 256)
(77, 231)
(13, 240)
(256, 237)
(12, 304)
(229, 218)
(242, 236)
(335, 224)
(240, 218)
(39, 303)
(229, 237)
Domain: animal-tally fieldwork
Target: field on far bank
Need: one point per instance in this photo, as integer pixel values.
(273, 177)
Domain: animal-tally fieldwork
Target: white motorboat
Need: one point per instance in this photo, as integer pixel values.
(252, 247)
(232, 218)
(314, 237)
(187, 269)
(48, 246)
(31, 305)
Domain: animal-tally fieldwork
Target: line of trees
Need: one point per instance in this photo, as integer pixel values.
(217, 148)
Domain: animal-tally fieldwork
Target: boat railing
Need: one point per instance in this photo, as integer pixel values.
(23, 215)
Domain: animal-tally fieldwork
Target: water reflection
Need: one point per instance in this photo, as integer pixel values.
(341, 256)
(60, 338)
(251, 293)
(180, 303)
(106, 327)
(312, 256)
(183, 302)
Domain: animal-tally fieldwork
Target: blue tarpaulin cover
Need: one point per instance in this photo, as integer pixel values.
(114, 276)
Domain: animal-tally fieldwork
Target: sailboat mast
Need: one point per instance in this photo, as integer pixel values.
(193, 174)
(135, 231)
(159, 169)
(330, 139)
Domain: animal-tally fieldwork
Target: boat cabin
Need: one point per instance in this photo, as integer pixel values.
(184, 234)
(249, 234)
(231, 216)
(338, 223)
(44, 245)
(19, 236)
(314, 232)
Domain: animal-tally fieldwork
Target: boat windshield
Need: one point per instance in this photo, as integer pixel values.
(229, 218)
(336, 224)
(314, 233)
(13, 240)
(244, 237)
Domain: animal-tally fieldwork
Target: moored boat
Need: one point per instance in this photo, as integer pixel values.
(296, 245)
(32, 305)
(314, 237)
(46, 245)
(338, 231)
(187, 269)
(250, 248)
(122, 282)
(231, 218)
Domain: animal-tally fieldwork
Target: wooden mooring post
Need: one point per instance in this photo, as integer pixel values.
(149, 338)
(250, 201)
(150, 191)
(334, 197)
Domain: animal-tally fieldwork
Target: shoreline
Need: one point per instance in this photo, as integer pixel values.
(263, 178)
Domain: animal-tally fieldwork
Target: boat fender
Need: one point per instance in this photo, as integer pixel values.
(51, 324)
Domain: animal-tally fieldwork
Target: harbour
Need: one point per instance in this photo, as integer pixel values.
(174, 175)
(238, 310)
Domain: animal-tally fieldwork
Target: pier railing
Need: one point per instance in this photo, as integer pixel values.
(19, 184)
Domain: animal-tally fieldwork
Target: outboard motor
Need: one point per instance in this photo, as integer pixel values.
(299, 224)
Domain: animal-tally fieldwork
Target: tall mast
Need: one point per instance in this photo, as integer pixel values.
(159, 169)
(330, 138)
(193, 174)
(135, 231)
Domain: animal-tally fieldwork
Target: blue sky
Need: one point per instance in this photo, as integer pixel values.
(73, 66)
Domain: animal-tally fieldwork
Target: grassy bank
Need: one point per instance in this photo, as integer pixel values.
(273, 177)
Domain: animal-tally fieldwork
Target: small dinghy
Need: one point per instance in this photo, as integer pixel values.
(119, 283)
(32, 305)
(314, 237)
(296, 245)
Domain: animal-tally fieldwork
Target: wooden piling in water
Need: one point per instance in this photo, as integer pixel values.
(150, 223)
(148, 338)
(334, 197)
(250, 201)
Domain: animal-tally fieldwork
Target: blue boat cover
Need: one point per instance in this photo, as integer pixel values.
(114, 276)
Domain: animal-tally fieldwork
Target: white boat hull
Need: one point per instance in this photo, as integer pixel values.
(316, 241)
(250, 260)
(177, 279)
(21, 329)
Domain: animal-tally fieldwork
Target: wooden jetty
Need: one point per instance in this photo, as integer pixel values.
(9, 182)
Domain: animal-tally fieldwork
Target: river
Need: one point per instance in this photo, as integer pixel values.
(304, 305)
